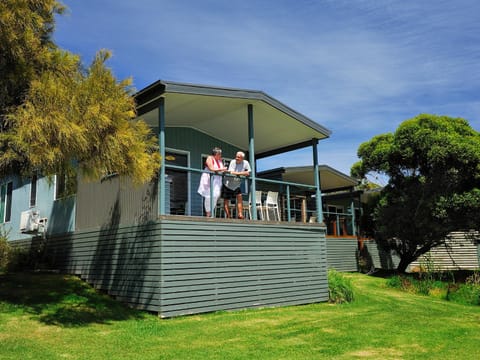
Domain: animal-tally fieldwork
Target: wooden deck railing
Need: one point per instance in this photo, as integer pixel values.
(294, 203)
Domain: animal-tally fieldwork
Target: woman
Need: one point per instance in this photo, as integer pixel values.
(214, 163)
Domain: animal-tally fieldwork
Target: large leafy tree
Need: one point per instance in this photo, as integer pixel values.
(56, 114)
(433, 166)
(26, 27)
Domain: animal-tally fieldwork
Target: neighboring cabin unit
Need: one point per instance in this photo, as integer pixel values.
(341, 207)
(460, 252)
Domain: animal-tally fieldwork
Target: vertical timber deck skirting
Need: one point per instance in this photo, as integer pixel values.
(177, 267)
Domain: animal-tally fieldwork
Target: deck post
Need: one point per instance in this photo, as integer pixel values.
(161, 141)
(316, 175)
(213, 207)
(289, 218)
(251, 155)
(352, 207)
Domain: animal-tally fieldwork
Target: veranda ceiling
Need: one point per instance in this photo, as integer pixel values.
(330, 179)
(222, 113)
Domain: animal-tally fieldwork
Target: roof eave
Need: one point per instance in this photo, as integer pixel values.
(160, 88)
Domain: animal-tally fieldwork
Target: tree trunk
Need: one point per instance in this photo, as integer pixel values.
(407, 259)
(403, 264)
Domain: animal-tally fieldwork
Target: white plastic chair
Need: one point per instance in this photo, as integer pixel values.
(258, 205)
(271, 203)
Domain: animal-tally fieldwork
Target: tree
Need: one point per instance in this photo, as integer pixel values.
(26, 27)
(56, 114)
(433, 166)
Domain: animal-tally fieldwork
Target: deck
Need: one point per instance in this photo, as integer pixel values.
(187, 265)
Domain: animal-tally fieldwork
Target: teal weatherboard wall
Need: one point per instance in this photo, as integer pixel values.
(179, 267)
(196, 144)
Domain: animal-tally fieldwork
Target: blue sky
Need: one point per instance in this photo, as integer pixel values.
(358, 68)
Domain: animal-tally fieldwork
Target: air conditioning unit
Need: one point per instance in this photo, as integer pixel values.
(32, 223)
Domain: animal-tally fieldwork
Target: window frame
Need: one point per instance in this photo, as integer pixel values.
(62, 183)
(33, 190)
(174, 151)
(6, 194)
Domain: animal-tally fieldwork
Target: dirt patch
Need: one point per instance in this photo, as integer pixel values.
(385, 353)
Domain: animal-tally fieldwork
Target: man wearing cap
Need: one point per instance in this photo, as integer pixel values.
(231, 184)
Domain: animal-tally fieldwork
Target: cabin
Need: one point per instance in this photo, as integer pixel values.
(152, 247)
(341, 209)
(461, 252)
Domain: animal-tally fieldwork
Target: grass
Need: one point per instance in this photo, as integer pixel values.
(59, 317)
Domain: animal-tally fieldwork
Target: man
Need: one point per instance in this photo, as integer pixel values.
(231, 185)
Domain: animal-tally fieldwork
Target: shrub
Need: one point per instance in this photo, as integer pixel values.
(466, 294)
(4, 253)
(13, 258)
(340, 289)
(423, 285)
(401, 282)
(473, 279)
(441, 285)
(395, 282)
(19, 259)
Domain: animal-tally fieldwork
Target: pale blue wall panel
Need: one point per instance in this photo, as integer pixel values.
(60, 214)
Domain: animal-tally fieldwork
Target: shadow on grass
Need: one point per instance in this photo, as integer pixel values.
(61, 300)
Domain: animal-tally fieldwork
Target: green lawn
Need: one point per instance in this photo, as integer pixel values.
(59, 317)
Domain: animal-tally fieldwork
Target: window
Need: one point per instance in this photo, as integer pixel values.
(178, 182)
(33, 191)
(6, 202)
(65, 185)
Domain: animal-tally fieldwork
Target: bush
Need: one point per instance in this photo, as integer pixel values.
(340, 289)
(4, 253)
(473, 279)
(19, 259)
(13, 258)
(466, 294)
(441, 285)
(396, 282)
(422, 285)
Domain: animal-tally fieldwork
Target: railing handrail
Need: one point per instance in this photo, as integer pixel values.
(221, 173)
(288, 184)
(337, 213)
